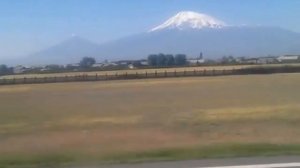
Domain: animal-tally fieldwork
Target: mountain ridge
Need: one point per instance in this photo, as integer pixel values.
(212, 41)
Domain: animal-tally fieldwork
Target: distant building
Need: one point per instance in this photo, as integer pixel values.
(259, 60)
(110, 64)
(19, 69)
(195, 61)
(288, 58)
(73, 65)
(131, 66)
(240, 60)
(144, 63)
(250, 60)
(124, 62)
(267, 60)
(132, 63)
(98, 65)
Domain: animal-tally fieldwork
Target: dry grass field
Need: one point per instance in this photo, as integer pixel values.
(119, 120)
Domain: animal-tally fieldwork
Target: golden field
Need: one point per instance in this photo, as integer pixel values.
(93, 120)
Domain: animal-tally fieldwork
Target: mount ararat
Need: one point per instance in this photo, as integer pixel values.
(187, 32)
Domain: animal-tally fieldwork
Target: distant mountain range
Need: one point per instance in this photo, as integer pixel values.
(188, 33)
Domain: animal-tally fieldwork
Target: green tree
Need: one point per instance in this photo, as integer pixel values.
(152, 59)
(87, 62)
(160, 60)
(4, 70)
(180, 59)
(169, 60)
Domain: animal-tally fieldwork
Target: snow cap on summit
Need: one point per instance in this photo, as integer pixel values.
(190, 20)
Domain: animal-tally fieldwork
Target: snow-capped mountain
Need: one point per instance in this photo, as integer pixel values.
(192, 20)
(188, 33)
(212, 42)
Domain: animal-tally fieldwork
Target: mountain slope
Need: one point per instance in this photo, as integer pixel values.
(214, 43)
(69, 51)
(191, 33)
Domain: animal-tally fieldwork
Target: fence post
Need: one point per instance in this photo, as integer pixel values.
(106, 76)
(184, 73)
(24, 80)
(146, 74)
(194, 72)
(204, 72)
(116, 75)
(175, 73)
(286, 69)
(155, 73)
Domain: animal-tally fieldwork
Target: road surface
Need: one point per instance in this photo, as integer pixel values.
(254, 162)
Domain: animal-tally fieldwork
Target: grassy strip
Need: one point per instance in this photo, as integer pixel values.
(35, 161)
(216, 151)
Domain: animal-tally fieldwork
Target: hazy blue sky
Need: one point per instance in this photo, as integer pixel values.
(27, 26)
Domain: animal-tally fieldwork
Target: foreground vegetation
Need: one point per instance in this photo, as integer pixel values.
(163, 119)
(217, 151)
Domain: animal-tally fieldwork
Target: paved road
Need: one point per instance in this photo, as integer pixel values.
(254, 162)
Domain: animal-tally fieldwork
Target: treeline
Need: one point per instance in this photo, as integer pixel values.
(167, 60)
(4, 70)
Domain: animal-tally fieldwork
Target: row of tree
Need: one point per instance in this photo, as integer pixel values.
(4, 70)
(167, 60)
(87, 62)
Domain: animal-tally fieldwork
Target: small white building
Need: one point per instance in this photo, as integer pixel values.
(266, 60)
(77, 65)
(98, 65)
(109, 64)
(194, 61)
(144, 63)
(19, 69)
(131, 66)
(288, 58)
